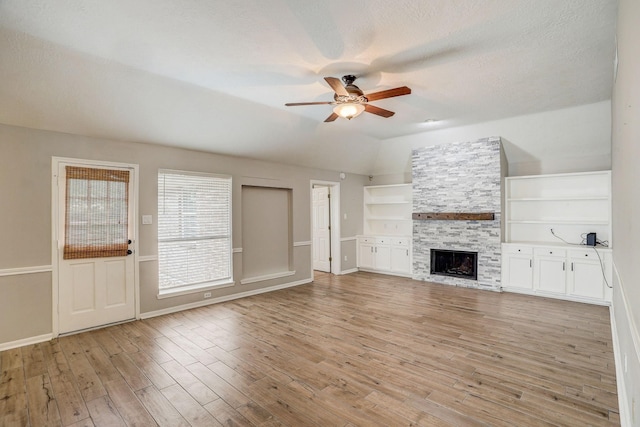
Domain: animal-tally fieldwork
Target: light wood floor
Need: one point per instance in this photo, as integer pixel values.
(361, 349)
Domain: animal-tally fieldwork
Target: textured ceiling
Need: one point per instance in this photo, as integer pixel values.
(215, 75)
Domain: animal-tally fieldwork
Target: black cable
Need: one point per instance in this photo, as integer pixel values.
(560, 238)
(604, 243)
(604, 276)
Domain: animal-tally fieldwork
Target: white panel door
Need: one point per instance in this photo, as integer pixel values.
(321, 230)
(518, 272)
(551, 274)
(586, 278)
(93, 291)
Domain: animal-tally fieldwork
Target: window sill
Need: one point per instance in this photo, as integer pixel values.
(187, 290)
(266, 277)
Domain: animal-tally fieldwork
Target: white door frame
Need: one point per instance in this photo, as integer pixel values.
(334, 190)
(55, 209)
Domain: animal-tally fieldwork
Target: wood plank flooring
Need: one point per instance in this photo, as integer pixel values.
(355, 350)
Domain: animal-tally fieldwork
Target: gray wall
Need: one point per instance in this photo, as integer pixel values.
(626, 207)
(25, 216)
(459, 177)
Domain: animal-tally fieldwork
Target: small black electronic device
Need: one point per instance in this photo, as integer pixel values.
(591, 239)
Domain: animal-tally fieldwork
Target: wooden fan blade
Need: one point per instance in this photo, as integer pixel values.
(337, 86)
(331, 118)
(377, 110)
(389, 93)
(295, 104)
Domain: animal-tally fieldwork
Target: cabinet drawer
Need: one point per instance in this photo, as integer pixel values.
(400, 241)
(585, 254)
(515, 249)
(550, 252)
(383, 240)
(366, 239)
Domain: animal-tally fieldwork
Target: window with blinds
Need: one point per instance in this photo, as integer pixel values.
(194, 230)
(96, 213)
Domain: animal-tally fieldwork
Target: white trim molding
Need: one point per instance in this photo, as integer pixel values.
(237, 250)
(194, 289)
(26, 270)
(348, 239)
(25, 341)
(231, 297)
(353, 270)
(623, 379)
(267, 277)
(307, 243)
(147, 258)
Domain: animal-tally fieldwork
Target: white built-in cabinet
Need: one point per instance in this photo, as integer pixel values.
(536, 262)
(385, 246)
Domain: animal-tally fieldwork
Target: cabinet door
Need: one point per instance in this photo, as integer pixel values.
(585, 279)
(518, 271)
(383, 257)
(366, 256)
(400, 260)
(551, 274)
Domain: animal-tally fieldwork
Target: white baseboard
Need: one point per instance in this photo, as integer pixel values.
(231, 297)
(554, 296)
(623, 406)
(25, 341)
(353, 270)
(622, 379)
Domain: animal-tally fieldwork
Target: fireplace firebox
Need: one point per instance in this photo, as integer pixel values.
(454, 263)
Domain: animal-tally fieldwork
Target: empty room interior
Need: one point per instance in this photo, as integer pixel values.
(323, 213)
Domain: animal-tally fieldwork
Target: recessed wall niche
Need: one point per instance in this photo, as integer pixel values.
(267, 233)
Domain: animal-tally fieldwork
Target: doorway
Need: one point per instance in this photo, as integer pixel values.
(321, 223)
(325, 226)
(94, 230)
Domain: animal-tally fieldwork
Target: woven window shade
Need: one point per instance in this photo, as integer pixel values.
(96, 214)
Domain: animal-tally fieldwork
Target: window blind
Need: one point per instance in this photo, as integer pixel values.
(96, 213)
(194, 229)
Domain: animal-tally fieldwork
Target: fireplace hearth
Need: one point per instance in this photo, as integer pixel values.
(461, 264)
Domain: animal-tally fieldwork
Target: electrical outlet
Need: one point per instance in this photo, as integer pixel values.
(345, 257)
(207, 294)
(625, 363)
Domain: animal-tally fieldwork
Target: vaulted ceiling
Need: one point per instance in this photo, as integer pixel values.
(214, 75)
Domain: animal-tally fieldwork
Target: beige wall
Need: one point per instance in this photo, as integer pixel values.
(25, 216)
(626, 207)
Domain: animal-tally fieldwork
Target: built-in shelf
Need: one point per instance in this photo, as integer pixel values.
(556, 199)
(385, 246)
(401, 202)
(559, 221)
(571, 204)
(387, 210)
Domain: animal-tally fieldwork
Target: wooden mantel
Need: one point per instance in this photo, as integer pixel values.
(454, 216)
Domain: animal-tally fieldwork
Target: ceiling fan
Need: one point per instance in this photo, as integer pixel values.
(350, 101)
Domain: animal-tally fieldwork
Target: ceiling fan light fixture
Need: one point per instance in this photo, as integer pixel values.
(348, 110)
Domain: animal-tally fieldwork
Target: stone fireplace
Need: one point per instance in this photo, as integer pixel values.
(457, 193)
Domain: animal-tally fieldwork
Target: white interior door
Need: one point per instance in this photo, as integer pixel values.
(96, 226)
(321, 229)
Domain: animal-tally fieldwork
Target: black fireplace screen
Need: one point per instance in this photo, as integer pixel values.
(454, 263)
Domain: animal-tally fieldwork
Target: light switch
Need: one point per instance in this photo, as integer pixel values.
(147, 219)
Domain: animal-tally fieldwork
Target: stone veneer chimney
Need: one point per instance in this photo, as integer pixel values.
(459, 177)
